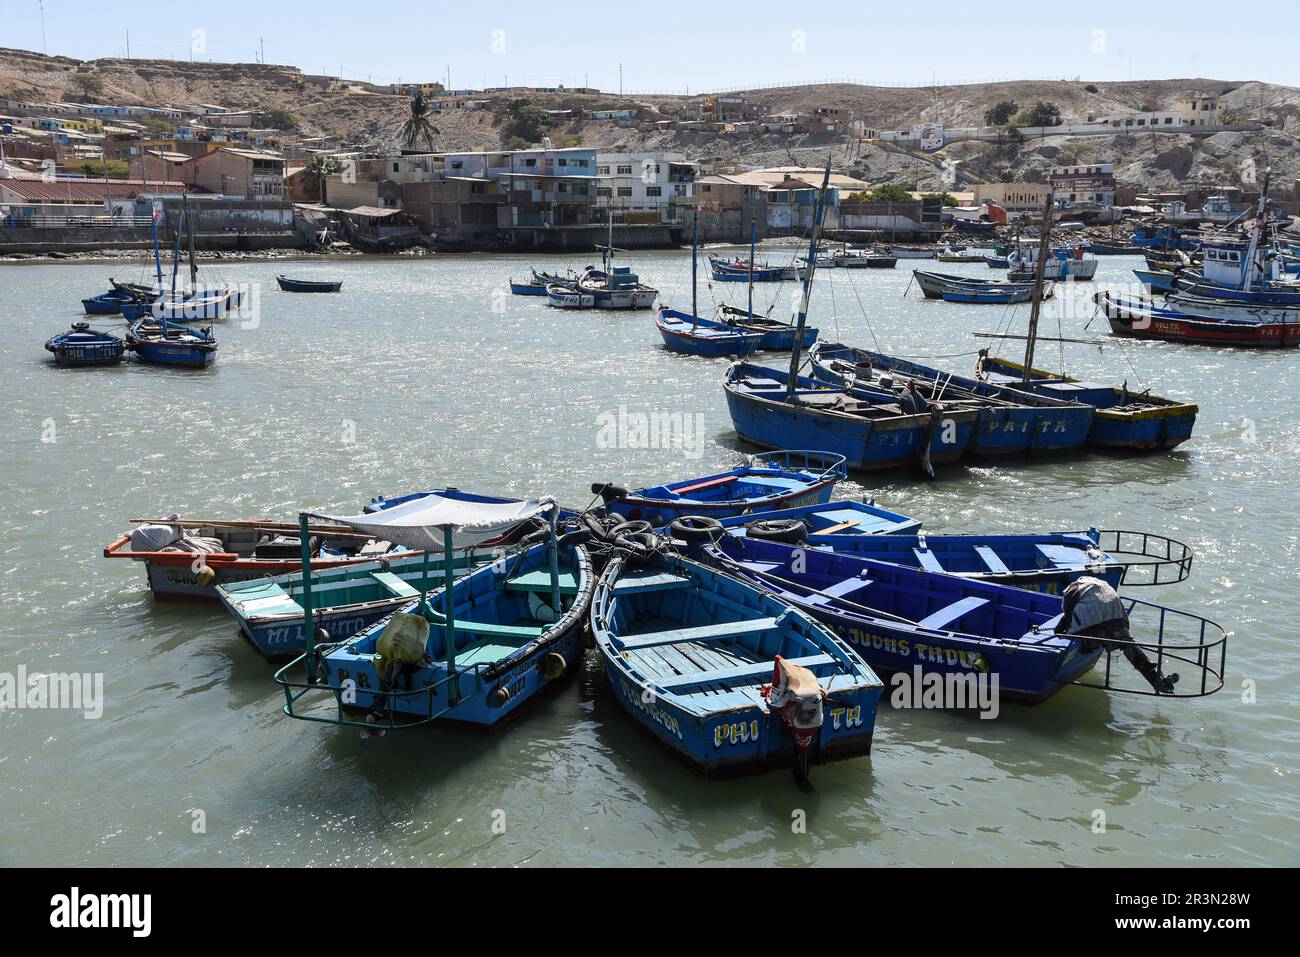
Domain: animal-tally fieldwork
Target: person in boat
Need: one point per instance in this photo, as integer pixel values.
(1093, 609)
(911, 401)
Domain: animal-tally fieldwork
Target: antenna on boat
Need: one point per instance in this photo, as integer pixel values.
(800, 320)
(695, 245)
(753, 238)
(1044, 246)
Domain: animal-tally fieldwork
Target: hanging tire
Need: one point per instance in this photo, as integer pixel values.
(552, 665)
(629, 528)
(695, 528)
(787, 531)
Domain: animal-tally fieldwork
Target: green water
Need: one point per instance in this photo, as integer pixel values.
(426, 373)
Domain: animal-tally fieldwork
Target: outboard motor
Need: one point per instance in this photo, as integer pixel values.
(796, 695)
(608, 492)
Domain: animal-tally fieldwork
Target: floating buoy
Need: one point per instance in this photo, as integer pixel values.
(499, 697)
(205, 576)
(552, 665)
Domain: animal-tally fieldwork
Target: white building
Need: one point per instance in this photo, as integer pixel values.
(926, 136)
(644, 187)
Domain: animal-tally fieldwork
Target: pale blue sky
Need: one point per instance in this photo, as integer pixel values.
(670, 46)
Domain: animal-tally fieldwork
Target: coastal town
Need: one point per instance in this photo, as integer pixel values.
(81, 173)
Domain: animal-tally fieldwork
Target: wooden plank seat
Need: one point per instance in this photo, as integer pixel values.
(708, 483)
(676, 636)
(540, 581)
(761, 566)
(946, 616)
(639, 584)
(760, 671)
(397, 586)
(836, 529)
(837, 590)
(991, 560)
(927, 560)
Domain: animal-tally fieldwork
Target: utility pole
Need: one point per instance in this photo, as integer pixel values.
(128, 44)
(448, 77)
(620, 79)
(261, 46)
(44, 49)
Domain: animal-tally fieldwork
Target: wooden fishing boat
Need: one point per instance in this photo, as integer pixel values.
(1155, 279)
(1062, 264)
(904, 619)
(738, 270)
(1009, 423)
(564, 297)
(1113, 249)
(683, 332)
(106, 304)
(83, 346)
(951, 255)
(160, 343)
(1123, 419)
(777, 335)
(935, 285)
(703, 662)
(537, 283)
(617, 288)
(981, 226)
(847, 258)
(868, 428)
(912, 252)
(828, 525)
(347, 599)
(1231, 309)
(772, 480)
(475, 650)
(133, 290)
(185, 559)
(1143, 319)
(994, 295)
(997, 262)
(308, 285)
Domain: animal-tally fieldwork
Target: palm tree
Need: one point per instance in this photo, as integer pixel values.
(318, 168)
(418, 126)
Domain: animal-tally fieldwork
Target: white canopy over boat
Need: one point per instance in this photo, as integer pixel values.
(419, 524)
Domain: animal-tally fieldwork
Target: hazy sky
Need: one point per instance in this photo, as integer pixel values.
(670, 46)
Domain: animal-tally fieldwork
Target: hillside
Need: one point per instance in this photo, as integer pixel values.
(347, 109)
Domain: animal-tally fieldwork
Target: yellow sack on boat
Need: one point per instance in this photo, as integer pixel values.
(404, 638)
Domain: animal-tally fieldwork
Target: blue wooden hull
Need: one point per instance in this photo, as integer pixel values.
(867, 444)
(109, 304)
(869, 520)
(699, 695)
(772, 482)
(682, 332)
(86, 347)
(1269, 295)
(1155, 279)
(996, 636)
(527, 288)
(163, 353)
(484, 691)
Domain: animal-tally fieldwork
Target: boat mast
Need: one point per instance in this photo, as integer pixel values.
(753, 238)
(194, 269)
(157, 254)
(1248, 267)
(695, 245)
(802, 318)
(1044, 247)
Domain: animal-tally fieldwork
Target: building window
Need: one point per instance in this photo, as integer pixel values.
(602, 170)
(625, 191)
(394, 167)
(625, 170)
(530, 162)
(603, 191)
(564, 162)
(654, 191)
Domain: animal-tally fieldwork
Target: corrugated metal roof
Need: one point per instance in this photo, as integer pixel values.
(68, 191)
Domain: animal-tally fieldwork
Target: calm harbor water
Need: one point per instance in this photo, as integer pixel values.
(425, 373)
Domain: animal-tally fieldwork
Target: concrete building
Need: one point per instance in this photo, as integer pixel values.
(228, 171)
(923, 136)
(644, 187)
(1016, 198)
(1199, 110)
(1083, 185)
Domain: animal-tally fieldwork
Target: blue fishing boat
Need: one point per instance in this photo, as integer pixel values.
(106, 304)
(737, 332)
(868, 428)
(997, 262)
(1124, 419)
(938, 285)
(473, 651)
(973, 226)
(533, 287)
(730, 679)
(1010, 422)
(84, 346)
(1142, 319)
(830, 525)
(739, 270)
(160, 343)
(1162, 238)
(683, 332)
(1157, 280)
(772, 480)
(350, 598)
(904, 619)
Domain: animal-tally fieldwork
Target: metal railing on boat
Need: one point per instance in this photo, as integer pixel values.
(1165, 553)
(410, 717)
(800, 460)
(1207, 652)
